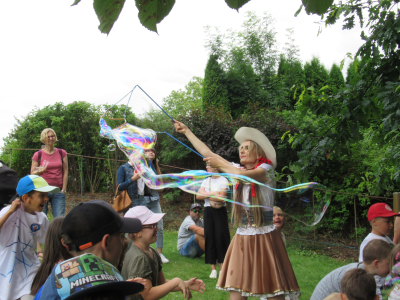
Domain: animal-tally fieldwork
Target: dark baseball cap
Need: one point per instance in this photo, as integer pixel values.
(88, 222)
(194, 205)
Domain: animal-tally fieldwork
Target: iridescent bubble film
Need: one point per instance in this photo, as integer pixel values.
(305, 202)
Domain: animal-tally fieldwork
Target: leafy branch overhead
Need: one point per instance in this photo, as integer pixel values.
(152, 12)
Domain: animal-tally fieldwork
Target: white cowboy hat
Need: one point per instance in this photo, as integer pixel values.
(247, 133)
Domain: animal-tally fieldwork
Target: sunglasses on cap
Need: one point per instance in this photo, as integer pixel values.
(196, 211)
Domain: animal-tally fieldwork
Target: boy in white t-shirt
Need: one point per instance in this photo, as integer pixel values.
(22, 226)
(380, 216)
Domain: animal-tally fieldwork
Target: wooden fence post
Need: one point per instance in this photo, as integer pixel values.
(396, 202)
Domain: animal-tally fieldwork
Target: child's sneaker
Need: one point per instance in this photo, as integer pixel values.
(164, 259)
(213, 274)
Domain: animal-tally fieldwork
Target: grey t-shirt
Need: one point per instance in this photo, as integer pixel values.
(184, 232)
(331, 282)
(138, 263)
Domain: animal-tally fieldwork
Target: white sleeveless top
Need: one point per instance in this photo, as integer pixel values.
(267, 199)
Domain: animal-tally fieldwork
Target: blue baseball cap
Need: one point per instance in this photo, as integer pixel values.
(34, 182)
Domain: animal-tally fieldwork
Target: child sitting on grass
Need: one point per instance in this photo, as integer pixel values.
(22, 226)
(358, 284)
(376, 262)
(143, 261)
(380, 216)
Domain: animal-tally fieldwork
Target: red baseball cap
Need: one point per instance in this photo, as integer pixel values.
(382, 210)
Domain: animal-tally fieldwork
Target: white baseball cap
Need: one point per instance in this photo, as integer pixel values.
(145, 215)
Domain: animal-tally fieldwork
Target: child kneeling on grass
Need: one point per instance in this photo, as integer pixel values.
(22, 226)
(376, 262)
(143, 261)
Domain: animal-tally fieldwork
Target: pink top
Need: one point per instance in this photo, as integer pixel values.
(53, 174)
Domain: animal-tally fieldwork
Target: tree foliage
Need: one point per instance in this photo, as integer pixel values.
(249, 58)
(153, 12)
(316, 74)
(215, 93)
(336, 79)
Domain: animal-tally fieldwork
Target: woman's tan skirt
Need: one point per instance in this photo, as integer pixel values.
(258, 266)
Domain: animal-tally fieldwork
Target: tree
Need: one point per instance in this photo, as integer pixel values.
(352, 70)
(249, 58)
(316, 74)
(291, 71)
(185, 100)
(153, 12)
(336, 79)
(215, 93)
(258, 39)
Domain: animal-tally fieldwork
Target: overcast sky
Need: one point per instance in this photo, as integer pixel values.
(52, 52)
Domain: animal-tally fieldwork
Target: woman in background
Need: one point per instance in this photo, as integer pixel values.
(152, 199)
(141, 195)
(52, 164)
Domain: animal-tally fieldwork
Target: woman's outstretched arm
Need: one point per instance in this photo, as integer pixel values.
(224, 167)
(197, 144)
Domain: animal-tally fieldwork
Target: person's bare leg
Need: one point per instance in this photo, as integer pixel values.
(159, 250)
(237, 296)
(213, 267)
(201, 241)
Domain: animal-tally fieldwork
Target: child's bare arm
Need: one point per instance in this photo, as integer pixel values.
(14, 206)
(160, 291)
(196, 285)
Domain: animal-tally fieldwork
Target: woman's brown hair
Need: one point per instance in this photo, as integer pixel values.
(53, 252)
(155, 161)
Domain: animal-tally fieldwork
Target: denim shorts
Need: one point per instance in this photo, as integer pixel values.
(191, 248)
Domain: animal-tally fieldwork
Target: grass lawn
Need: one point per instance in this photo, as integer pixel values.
(309, 269)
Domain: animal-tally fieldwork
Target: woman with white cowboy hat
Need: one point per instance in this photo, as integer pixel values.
(256, 264)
